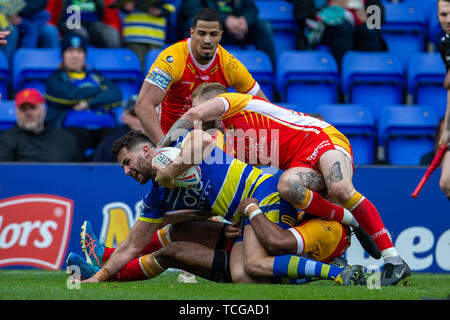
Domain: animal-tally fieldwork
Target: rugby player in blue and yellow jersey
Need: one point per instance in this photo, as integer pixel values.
(225, 182)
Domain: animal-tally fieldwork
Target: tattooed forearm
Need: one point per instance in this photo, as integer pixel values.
(177, 129)
(311, 180)
(334, 174)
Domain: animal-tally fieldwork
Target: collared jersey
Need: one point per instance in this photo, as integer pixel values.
(264, 133)
(177, 73)
(225, 181)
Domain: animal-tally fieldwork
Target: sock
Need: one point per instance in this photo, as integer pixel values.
(390, 255)
(131, 272)
(145, 267)
(292, 266)
(368, 217)
(161, 238)
(316, 205)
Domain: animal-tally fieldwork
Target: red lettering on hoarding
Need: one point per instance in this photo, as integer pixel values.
(35, 230)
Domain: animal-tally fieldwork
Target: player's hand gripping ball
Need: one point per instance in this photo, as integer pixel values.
(189, 178)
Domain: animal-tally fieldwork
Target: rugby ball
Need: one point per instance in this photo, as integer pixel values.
(189, 178)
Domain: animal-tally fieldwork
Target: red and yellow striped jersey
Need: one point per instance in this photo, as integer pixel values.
(177, 73)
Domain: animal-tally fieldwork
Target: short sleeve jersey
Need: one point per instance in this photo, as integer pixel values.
(225, 181)
(177, 73)
(268, 133)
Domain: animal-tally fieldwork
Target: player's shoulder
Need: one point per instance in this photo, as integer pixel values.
(174, 54)
(229, 61)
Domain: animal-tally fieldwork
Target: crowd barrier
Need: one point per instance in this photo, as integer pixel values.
(42, 207)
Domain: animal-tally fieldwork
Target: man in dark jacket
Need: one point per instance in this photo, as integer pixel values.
(241, 23)
(74, 87)
(31, 140)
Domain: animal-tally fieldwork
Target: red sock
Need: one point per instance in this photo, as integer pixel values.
(316, 205)
(152, 246)
(131, 272)
(368, 217)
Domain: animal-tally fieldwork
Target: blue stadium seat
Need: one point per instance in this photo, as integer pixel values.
(120, 65)
(296, 107)
(7, 114)
(406, 133)
(258, 64)
(5, 75)
(151, 57)
(435, 32)
(426, 74)
(374, 79)
(32, 67)
(280, 14)
(356, 122)
(309, 78)
(89, 119)
(404, 30)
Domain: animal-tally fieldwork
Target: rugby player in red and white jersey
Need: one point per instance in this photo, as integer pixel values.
(182, 67)
(315, 156)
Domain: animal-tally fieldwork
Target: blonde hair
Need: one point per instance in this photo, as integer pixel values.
(209, 90)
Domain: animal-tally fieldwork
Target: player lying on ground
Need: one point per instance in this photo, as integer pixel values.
(214, 264)
(220, 190)
(315, 156)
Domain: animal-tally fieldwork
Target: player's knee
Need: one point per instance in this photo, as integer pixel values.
(340, 192)
(292, 192)
(167, 255)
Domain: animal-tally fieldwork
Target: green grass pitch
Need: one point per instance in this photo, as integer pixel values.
(30, 284)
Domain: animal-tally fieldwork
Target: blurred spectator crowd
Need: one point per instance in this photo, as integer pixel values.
(308, 55)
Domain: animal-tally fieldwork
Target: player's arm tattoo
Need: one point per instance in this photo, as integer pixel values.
(334, 174)
(296, 193)
(312, 180)
(177, 129)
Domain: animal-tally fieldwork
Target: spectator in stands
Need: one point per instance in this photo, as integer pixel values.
(32, 140)
(241, 23)
(130, 121)
(74, 87)
(337, 24)
(9, 10)
(34, 29)
(144, 25)
(91, 25)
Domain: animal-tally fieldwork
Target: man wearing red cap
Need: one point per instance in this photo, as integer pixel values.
(31, 140)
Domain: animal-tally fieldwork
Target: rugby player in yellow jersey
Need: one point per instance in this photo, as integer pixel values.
(182, 67)
(225, 182)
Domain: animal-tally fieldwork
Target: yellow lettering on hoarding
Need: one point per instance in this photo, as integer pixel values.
(117, 221)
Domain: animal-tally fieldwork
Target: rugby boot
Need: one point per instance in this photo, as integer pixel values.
(91, 246)
(86, 270)
(393, 273)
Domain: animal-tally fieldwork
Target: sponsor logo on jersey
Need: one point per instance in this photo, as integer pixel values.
(160, 78)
